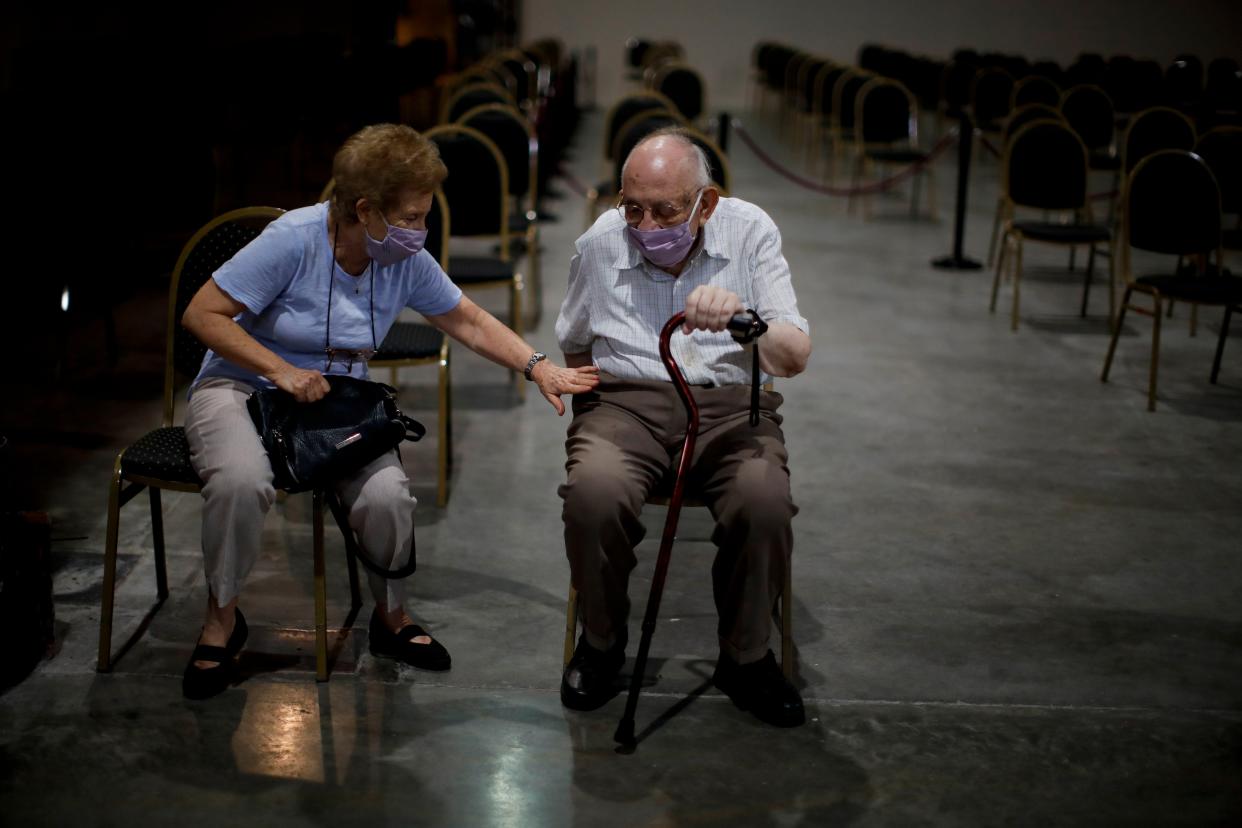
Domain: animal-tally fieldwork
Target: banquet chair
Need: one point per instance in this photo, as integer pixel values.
(160, 459)
(1172, 207)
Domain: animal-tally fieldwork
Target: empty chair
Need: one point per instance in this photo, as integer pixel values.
(471, 95)
(1172, 207)
(1017, 119)
(1089, 111)
(1035, 89)
(1045, 168)
(1221, 148)
(886, 124)
(682, 85)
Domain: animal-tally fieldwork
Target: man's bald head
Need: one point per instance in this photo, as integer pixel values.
(670, 157)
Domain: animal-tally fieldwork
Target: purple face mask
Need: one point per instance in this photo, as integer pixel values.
(666, 246)
(398, 245)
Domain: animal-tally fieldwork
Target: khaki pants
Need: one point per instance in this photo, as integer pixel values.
(624, 438)
(237, 494)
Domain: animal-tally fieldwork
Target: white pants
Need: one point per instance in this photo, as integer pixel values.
(237, 493)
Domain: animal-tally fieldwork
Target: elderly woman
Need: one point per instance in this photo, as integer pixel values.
(315, 294)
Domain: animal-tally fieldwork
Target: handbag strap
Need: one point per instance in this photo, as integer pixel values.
(414, 430)
(354, 550)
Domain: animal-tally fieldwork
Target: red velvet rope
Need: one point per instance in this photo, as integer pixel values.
(872, 187)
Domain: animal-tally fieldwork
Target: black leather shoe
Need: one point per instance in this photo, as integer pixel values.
(400, 645)
(761, 688)
(205, 682)
(590, 678)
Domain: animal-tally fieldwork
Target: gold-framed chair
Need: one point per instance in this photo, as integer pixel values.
(160, 459)
(470, 95)
(1045, 168)
(682, 84)
(477, 196)
(410, 344)
(515, 136)
(886, 131)
(1171, 206)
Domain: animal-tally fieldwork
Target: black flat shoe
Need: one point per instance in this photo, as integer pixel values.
(590, 678)
(400, 645)
(205, 682)
(761, 688)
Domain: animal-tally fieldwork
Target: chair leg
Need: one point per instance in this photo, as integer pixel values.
(536, 275)
(1112, 343)
(157, 540)
(933, 210)
(571, 624)
(443, 430)
(996, 226)
(1086, 282)
(515, 312)
(104, 662)
(1000, 263)
(321, 591)
(1220, 342)
(1155, 356)
(1017, 281)
(1194, 318)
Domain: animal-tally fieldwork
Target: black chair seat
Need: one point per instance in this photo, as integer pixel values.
(1051, 231)
(465, 270)
(163, 454)
(1231, 239)
(1211, 290)
(410, 340)
(897, 156)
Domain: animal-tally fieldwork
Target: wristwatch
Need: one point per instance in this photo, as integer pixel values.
(535, 359)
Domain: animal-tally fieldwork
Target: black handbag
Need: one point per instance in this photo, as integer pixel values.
(312, 445)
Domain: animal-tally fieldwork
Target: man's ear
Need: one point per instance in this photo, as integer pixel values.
(362, 208)
(711, 197)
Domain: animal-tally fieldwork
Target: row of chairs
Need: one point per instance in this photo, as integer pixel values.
(835, 110)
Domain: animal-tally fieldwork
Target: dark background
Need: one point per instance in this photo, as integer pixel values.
(128, 127)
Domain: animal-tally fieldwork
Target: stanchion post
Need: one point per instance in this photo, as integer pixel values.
(957, 260)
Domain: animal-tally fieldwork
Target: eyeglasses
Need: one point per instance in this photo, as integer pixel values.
(346, 357)
(664, 214)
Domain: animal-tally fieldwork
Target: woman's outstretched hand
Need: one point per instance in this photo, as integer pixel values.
(553, 381)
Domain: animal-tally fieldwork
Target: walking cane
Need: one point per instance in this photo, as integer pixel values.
(745, 327)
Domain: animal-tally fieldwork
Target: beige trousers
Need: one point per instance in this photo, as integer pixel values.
(237, 493)
(624, 438)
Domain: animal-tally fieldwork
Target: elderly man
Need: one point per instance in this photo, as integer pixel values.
(675, 243)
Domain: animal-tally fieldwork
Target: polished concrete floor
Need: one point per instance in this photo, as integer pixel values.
(1016, 592)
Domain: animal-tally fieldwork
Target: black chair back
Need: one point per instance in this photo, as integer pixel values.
(625, 109)
(845, 98)
(807, 80)
(825, 85)
(206, 251)
(1173, 205)
(1029, 113)
(1035, 89)
(1046, 167)
(684, 87)
(1089, 110)
(477, 182)
(513, 135)
(885, 113)
(635, 130)
(1157, 128)
(438, 229)
(468, 97)
(1221, 148)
